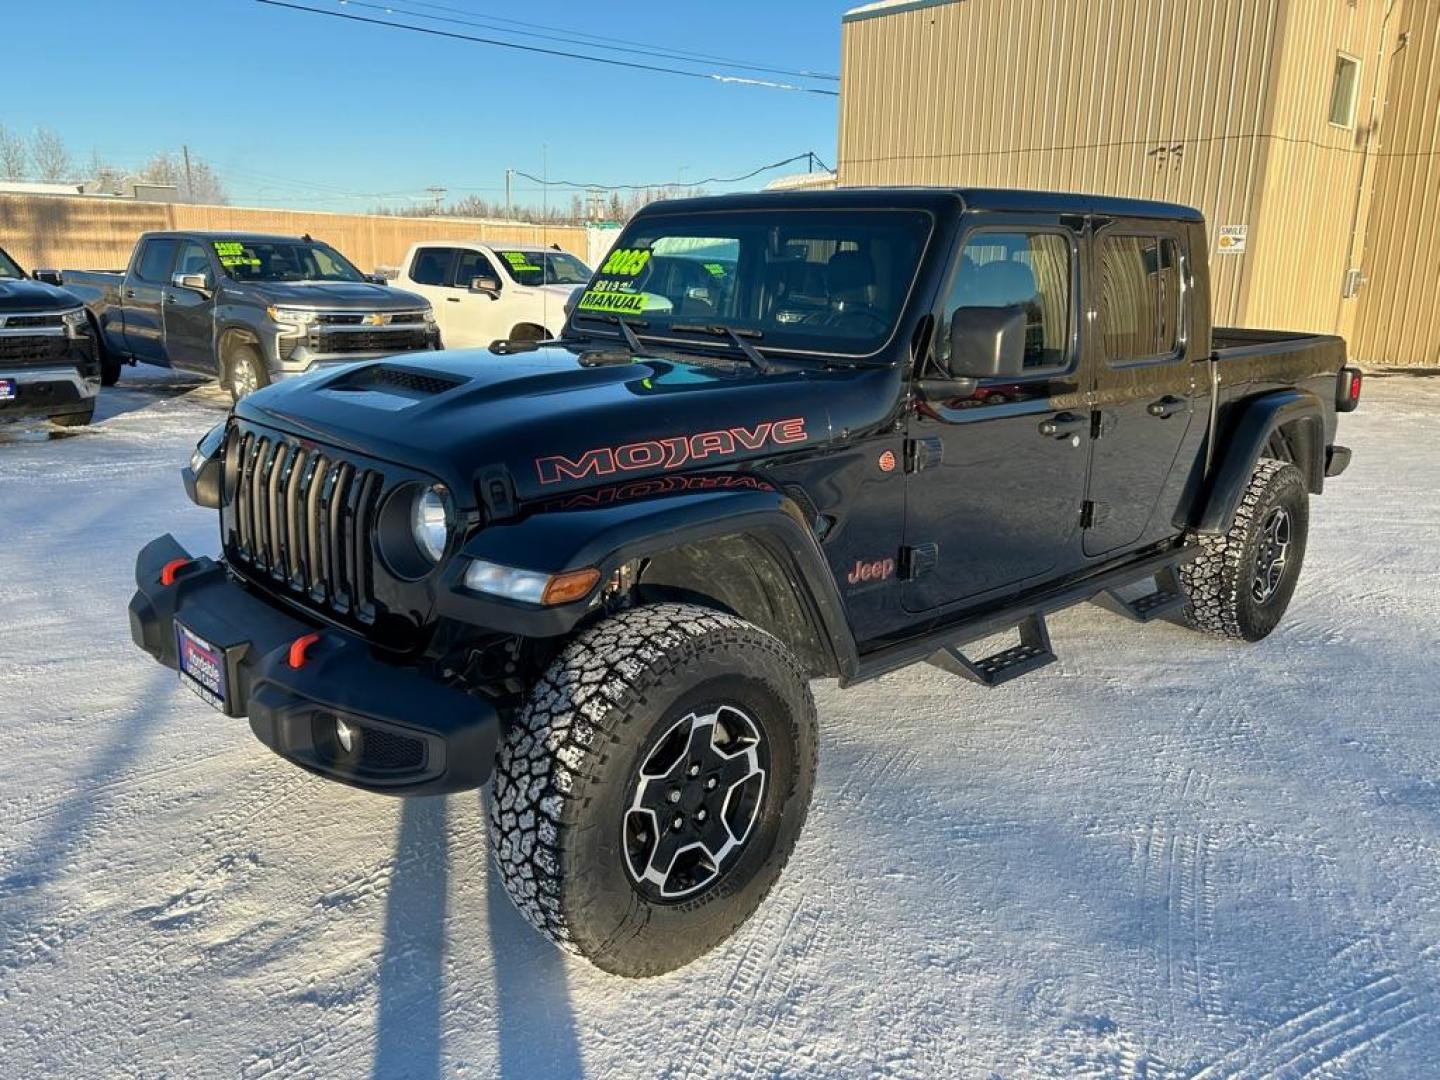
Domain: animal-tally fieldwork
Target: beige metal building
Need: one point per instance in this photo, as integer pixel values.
(1308, 131)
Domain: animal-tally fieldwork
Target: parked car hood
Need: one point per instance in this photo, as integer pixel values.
(559, 419)
(345, 295)
(25, 295)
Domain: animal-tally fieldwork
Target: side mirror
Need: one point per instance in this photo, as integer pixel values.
(488, 285)
(47, 276)
(194, 282)
(377, 279)
(987, 342)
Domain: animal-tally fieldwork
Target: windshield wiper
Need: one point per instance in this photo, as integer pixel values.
(761, 362)
(632, 342)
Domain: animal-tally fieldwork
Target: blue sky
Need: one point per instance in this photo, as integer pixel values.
(301, 109)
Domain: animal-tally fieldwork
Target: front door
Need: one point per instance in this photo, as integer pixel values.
(1144, 383)
(143, 298)
(190, 314)
(478, 318)
(997, 478)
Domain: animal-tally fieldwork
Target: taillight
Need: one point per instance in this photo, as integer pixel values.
(1347, 390)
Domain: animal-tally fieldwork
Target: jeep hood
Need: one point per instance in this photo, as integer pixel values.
(556, 420)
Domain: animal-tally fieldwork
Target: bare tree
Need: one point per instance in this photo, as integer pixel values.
(202, 184)
(52, 159)
(104, 178)
(13, 155)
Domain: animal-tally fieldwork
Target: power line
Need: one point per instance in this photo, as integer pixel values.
(570, 36)
(631, 64)
(807, 156)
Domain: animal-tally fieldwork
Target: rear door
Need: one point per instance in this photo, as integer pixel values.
(1144, 383)
(996, 479)
(142, 296)
(431, 270)
(190, 315)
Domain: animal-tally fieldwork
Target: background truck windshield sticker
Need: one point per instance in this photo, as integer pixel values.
(518, 260)
(613, 289)
(233, 253)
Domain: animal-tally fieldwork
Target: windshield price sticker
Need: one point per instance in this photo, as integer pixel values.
(232, 253)
(518, 261)
(613, 289)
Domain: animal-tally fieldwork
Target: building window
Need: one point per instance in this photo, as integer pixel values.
(1345, 91)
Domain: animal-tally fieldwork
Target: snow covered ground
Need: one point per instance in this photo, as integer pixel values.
(1164, 856)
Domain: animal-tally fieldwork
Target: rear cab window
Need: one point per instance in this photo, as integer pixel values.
(1140, 297)
(156, 260)
(431, 265)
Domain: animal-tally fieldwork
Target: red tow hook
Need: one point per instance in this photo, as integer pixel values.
(299, 647)
(171, 568)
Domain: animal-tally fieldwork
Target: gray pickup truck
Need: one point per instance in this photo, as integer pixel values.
(246, 308)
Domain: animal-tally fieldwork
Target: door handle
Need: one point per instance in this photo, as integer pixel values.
(1167, 407)
(1063, 425)
(129, 294)
(452, 299)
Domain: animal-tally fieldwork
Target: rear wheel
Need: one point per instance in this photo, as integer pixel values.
(109, 362)
(654, 786)
(1243, 581)
(78, 419)
(248, 372)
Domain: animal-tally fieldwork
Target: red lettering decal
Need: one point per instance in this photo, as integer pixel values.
(554, 469)
(788, 431)
(712, 442)
(752, 440)
(679, 452)
(640, 455)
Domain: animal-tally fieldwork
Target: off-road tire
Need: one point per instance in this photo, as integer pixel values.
(109, 363)
(243, 359)
(1218, 585)
(79, 419)
(567, 771)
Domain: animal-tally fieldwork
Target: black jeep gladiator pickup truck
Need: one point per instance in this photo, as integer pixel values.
(48, 363)
(247, 309)
(785, 436)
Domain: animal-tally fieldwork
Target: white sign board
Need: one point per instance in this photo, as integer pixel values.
(1232, 239)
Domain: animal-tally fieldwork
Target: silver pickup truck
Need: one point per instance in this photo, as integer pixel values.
(245, 308)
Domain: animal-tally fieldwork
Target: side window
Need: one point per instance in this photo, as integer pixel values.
(432, 266)
(1029, 270)
(1344, 90)
(193, 260)
(471, 265)
(1139, 297)
(156, 260)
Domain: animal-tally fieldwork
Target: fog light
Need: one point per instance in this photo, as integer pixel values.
(346, 736)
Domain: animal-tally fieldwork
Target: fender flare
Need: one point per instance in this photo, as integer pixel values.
(611, 536)
(1300, 416)
(228, 334)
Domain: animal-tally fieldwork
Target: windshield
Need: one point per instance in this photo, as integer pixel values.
(545, 268)
(284, 260)
(811, 280)
(9, 268)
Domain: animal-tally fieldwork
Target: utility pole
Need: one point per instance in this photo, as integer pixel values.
(189, 179)
(509, 193)
(438, 194)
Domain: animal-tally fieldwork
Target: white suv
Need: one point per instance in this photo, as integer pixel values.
(482, 294)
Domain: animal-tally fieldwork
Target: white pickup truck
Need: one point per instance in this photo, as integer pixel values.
(481, 293)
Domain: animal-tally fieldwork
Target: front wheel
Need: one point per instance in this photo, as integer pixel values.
(1243, 581)
(248, 372)
(654, 785)
(75, 419)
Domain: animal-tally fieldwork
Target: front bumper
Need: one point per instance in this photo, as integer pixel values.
(416, 736)
(48, 391)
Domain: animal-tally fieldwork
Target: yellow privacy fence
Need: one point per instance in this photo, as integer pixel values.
(95, 233)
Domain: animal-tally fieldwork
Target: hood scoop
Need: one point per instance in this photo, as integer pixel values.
(387, 386)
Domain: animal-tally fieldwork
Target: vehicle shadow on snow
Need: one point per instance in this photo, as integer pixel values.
(49, 855)
(535, 1022)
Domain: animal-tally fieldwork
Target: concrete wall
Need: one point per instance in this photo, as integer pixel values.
(80, 233)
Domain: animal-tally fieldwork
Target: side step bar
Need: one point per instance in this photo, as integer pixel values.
(942, 645)
(1033, 652)
(1167, 598)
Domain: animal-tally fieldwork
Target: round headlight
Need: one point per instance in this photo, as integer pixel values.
(430, 521)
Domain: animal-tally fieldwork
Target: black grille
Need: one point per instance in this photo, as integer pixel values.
(384, 751)
(34, 348)
(302, 517)
(358, 341)
(340, 318)
(16, 321)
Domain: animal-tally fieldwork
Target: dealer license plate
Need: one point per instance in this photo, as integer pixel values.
(7, 390)
(202, 666)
